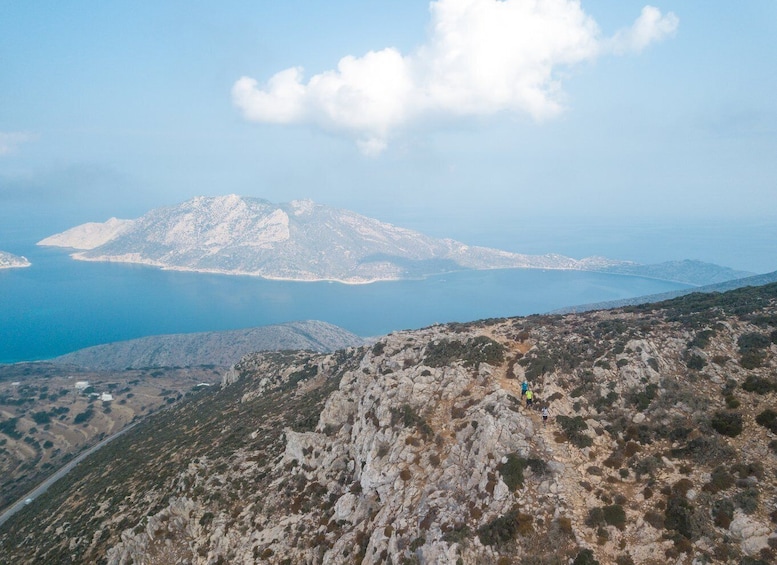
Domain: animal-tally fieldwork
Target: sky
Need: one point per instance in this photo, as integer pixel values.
(638, 131)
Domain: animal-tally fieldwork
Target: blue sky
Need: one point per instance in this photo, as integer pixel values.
(580, 127)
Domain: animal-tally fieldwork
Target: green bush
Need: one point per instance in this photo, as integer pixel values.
(727, 423)
(680, 516)
(512, 471)
(573, 429)
(752, 359)
(614, 515)
(723, 512)
(759, 385)
(720, 479)
(585, 557)
(410, 419)
(41, 417)
(84, 416)
(500, 530)
(768, 419)
(642, 399)
(695, 362)
(747, 500)
(478, 350)
(752, 341)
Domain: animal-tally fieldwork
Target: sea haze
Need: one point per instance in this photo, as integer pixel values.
(59, 305)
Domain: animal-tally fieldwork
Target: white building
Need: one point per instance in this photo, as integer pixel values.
(106, 397)
(81, 385)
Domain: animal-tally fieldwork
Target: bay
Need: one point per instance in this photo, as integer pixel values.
(59, 305)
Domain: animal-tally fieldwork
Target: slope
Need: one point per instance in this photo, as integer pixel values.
(222, 349)
(660, 449)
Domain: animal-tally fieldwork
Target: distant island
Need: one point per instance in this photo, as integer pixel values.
(222, 348)
(305, 241)
(11, 261)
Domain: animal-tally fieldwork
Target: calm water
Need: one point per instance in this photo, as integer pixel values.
(59, 305)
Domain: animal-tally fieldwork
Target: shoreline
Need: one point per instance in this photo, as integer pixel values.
(78, 256)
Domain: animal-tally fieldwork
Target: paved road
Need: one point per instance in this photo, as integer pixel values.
(43, 487)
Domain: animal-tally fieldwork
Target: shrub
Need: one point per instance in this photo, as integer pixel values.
(732, 401)
(41, 417)
(654, 519)
(512, 471)
(751, 348)
(759, 385)
(704, 450)
(573, 429)
(727, 423)
(84, 416)
(585, 557)
(720, 479)
(8, 427)
(410, 419)
(477, 350)
(768, 419)
(752, 341)
(537, 364)
(680, 516)
(752, 359)
(614, 515)
(695, 362)
(723, 512)
(701, 339)
(747, 500)
(500, 530)
(643, 398)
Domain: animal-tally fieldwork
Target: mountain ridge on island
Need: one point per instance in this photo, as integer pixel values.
(305, 241)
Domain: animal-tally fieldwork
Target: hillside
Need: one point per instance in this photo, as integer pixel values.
(47, 417)
(418, 449)
(222, 349)
(687, 271)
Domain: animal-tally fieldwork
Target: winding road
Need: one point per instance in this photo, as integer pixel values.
(43, 487)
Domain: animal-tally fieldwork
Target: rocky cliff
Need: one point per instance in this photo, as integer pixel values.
(660, 448)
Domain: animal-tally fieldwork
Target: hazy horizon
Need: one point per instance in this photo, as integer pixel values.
(645, 133)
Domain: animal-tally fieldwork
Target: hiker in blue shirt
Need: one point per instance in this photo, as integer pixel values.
(524, 387)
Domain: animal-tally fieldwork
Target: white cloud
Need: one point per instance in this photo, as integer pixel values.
(10, 140)
(651, 26)
(482, 57)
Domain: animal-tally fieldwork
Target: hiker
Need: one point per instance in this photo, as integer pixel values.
(529, 398)
(524, 387)
(544, 415)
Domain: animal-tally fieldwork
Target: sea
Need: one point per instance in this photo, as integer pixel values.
(59, 305)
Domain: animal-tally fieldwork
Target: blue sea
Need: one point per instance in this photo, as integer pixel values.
(59, 305)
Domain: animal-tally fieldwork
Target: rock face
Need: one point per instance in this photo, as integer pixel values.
(9, 261)
(300, 240)
(222, 349)
(660, 448)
